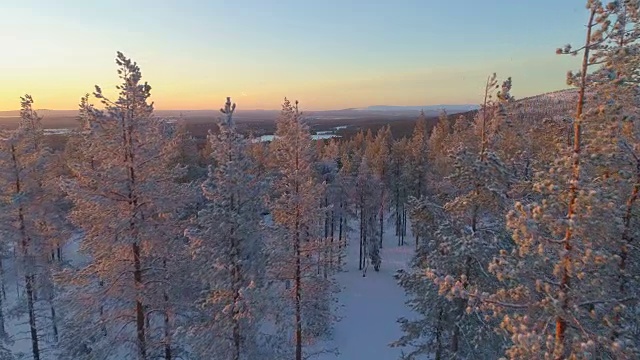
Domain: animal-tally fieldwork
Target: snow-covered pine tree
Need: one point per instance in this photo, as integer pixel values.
(327, 172)
(172, 297)
(125, 196)
(559, 295)
(297, 244)
(378, 155)
(617, 80)
(228, 250)
(259, 152)
(462, 230)
(6, 245)
(73, 150)
(367, 199)
(431, 332)
(323, 172)
(439, 166)
(418, 154)
(344, 210)
(356, 147)
(398, 186)
(31, 221)
(187, 153)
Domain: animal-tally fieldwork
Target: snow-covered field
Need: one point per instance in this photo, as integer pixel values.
(370, 306)
(319, 136)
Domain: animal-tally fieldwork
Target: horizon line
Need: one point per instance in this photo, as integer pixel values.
(258, 109)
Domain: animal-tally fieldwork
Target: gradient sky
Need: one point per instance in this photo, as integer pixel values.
(329, 54)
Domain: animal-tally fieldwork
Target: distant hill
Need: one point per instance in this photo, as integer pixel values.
(426, 108)
(430, 109)
(43, 112)
(544, 105)
(559, 95)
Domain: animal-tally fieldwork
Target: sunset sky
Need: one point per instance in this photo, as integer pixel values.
(329, 54)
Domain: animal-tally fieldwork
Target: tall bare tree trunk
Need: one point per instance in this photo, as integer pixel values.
(29, 280)
(235, 281)
(103, 326)
(298, 285)
(397, 210)
(2, 288)
(2, 328)
(298, 269)
(3, 297)
(626, 237)
(167, 332)
(340, 243)
(381, 217)
(325, 252)
(362, 230)
(168, 355)
(54, 320)
(140, 313)
(565, 283)
(404, 223)
(28, 277)
(438, 352)
(127, 138)
(332, 232)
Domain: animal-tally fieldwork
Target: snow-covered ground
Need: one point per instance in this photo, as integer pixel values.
(370, 306)
(57, 131)
(319, 136)
(15, 309)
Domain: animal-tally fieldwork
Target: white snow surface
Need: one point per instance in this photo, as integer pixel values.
(17, 327)
(370, 306)
(319, 136)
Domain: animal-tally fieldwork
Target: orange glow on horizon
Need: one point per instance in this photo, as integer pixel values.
(62, 90)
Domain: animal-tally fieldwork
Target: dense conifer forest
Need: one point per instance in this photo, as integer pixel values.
(509, 232)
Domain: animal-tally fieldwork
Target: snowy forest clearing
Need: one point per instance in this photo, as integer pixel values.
(370, 306)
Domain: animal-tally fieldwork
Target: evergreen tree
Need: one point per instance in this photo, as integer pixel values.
(399, 187)
(418, 152)
(344, 198)
(368, 188)
(228, 251)
(462, 230)
(125, 199)
(297, 243)
(559, 295)
(32, 219)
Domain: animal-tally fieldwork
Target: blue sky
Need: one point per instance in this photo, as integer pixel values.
(328, 54)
